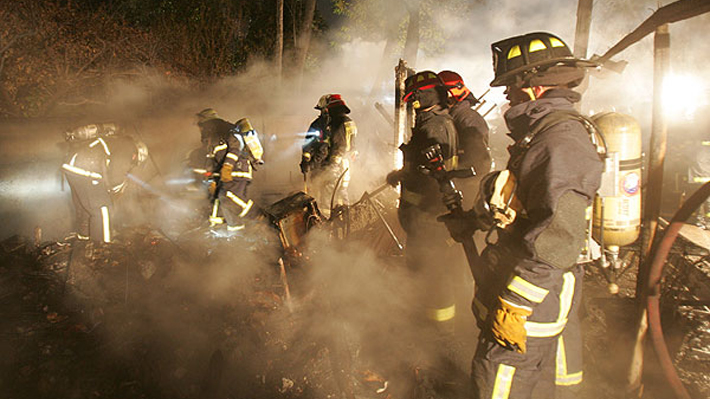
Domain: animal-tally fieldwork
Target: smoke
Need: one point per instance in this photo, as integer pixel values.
(348, 289)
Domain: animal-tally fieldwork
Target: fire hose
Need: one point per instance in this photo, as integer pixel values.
(653, 287)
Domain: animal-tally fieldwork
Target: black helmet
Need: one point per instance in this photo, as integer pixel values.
(536, 59)
(423, 90)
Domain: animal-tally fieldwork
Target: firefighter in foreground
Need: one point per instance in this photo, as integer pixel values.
(527, 306)
(472, 132)
(325, 161)
(235, 152)
(96, 168)
(429, 255)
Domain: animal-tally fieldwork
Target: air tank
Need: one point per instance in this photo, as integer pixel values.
(620, 202)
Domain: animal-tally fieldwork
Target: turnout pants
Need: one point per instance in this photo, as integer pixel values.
(93, 207)
(552, 365)
(430, 259)
(235, 204)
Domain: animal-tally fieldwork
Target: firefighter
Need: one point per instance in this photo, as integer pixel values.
(213, 132)
(472, 130)
(329, 145)
(527, 304)
(429, 254)
(235, 154)
(96, 168)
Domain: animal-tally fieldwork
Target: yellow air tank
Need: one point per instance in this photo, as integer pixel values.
(622, 211)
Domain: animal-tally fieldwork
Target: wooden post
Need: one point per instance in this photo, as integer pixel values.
(652, 208)
(584, 21)
(400, 112)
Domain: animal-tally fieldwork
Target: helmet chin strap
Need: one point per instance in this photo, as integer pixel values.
(535, 92)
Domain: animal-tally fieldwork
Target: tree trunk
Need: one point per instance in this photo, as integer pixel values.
(279, 52)
(411, 46)
(384, 67)
(304, 39)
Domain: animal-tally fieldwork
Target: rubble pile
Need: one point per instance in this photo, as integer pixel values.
(139, 318)
(685, 298)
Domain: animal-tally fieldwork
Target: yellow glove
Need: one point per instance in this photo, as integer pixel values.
(226, 173)
(508, 325)
(212, 188)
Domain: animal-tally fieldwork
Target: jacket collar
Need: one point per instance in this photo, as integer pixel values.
(522, 116)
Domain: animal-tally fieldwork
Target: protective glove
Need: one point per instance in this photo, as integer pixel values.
(225, 174)
(508, 325)
(394, 177)
(461, 226)
(212, 188)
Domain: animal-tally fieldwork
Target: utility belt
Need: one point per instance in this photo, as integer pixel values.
(500, 262)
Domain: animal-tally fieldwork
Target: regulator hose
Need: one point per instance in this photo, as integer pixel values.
(654, 283)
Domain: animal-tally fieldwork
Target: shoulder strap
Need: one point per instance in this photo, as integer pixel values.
(554, 118)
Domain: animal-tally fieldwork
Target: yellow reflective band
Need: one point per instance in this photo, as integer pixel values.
(536, 45)
(566, 296)
(81, 237)
(452, 163)
(504, 380)
(246, 206)
(701, 179)
(103, 144)
(441, 314)
(535, 329)
(571, 379)
(82, 172)
(561, 376)
(214, 219)
(247, 175)
(350, 131)
(73, 159)
(706, 143)
(219, 148)
(246, 209)
(118, 187)
(556, 43)
(215, 208)
(561, 360)
(200, 171)
(480, 309)
(232, 156)
(235, 228)
(541, 330)
(514, 52)
(411, 197)
(527, 290)
(106, 224)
